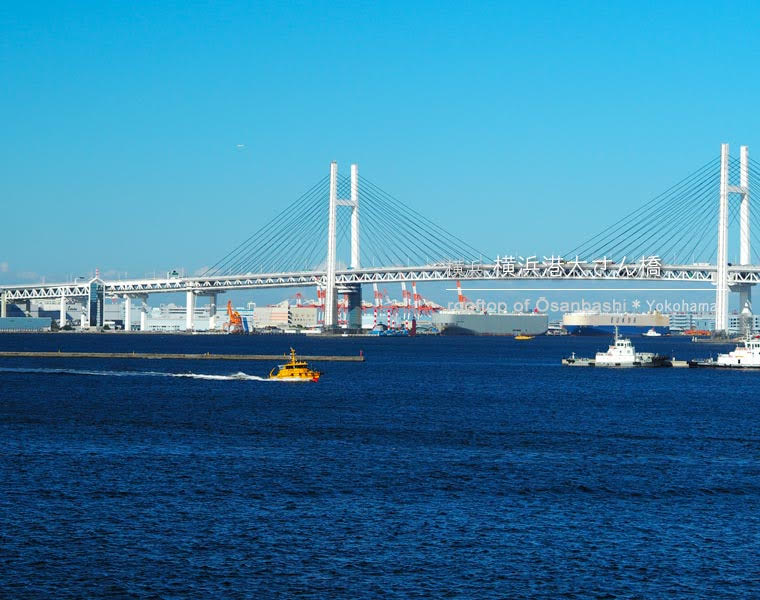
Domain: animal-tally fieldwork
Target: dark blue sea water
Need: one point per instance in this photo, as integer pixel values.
(441, 467)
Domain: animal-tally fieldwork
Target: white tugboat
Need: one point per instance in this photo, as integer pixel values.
(651, 333)
(746, 355)
(621, 353)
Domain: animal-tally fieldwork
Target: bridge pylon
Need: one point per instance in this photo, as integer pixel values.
(722, 287)
(331, 303)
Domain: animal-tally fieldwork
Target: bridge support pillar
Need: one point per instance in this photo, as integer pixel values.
(745, 310)
(353, 294)
(127, 313)
(190, 311)
(143, 311)
(745, 258)
(62, 312)
(745, 306)
(331, 308)
(722, 283)
(744, 226)
(3, 301)
(212, 311)
(331, 305)
(745, 298)
(354, 203)
(721, 291)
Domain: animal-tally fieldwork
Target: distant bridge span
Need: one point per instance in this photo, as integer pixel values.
(578, 271)
(290, 250)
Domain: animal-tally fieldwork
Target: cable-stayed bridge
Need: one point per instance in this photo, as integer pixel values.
(346, 231)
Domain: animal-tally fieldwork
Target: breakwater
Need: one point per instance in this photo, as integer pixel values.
(179, 356)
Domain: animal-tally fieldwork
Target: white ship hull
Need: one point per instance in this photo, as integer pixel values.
(745, 356)
(464, 322)
(595, 323)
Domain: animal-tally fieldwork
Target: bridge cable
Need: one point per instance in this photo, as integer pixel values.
(425, 241)
(649, 204)
(409, 210)
(249, 251)
(622, 232)
(663, 215)
(241, 247)
(392, 225)
(268, 245)
(658, 224)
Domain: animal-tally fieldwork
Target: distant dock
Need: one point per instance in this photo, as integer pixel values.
(161, 356)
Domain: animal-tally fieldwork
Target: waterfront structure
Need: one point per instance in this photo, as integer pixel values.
(422, 251)
(276, 315)
(737, 323)
(95, 301)
(685, 321)
(302, 316)
(24, 324)
(743, 323)
(172, 318)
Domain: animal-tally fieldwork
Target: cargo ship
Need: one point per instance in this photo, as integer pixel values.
(598, 323)
(473, 322)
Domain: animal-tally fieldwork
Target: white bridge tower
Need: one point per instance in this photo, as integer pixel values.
(722, 289)
(331, 308)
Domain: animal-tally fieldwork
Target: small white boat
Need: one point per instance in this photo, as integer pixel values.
(652, 332)
(746, 355)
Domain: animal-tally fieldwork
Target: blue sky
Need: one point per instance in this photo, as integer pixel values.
(522, 127)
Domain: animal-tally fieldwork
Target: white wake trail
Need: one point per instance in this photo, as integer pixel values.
(239, 376)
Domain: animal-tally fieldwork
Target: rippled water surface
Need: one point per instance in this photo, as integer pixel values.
(441, 467)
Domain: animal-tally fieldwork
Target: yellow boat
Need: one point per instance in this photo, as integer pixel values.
(296, 369)
(523, 337)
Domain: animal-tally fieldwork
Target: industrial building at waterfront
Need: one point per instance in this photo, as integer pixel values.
(44, 314)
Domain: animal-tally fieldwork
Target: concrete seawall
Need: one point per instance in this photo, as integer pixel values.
(156, 356)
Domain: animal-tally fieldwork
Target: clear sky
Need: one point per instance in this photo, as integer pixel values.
(138, 137)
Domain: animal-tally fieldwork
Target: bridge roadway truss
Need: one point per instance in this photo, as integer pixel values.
(646, 269)
(678, 219)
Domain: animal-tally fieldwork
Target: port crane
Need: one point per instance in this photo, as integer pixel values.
(235, 321)
(462, 300)
(422, 306)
